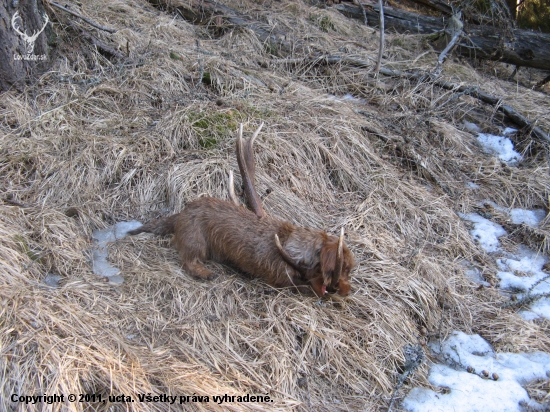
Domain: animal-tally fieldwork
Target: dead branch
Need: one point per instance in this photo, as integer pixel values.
(86, 19)
(472, 91)
(510, 112)
(358, 2)
(522, 47)
(381, 49)
(455, 28)
(206, 12)
(542, 82)
(102, 47)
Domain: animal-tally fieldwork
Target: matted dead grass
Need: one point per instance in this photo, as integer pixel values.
(95, 142)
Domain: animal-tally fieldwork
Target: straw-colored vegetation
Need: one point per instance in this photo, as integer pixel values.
(96, 142)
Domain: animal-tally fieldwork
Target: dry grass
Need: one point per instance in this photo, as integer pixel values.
(96, 142)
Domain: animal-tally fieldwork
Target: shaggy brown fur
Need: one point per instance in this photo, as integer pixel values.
(214, 229)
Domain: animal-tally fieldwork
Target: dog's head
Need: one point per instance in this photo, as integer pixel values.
(332, 273)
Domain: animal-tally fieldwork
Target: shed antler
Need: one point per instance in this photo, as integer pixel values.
(245, 159)
(232, 194)
(339, 258)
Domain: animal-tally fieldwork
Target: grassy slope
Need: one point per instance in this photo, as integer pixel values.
(113, 141)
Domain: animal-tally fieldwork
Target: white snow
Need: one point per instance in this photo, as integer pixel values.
(500, 146)
(529, 217)
(525, 261)
(471, 127)
(470, 391)
(509, 130)
(472, 185)
(347, 97)
(485, 232)
(101, 238)
(538, 281)
(475, 275)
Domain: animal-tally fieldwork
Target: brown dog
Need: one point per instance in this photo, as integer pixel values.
(278, 252)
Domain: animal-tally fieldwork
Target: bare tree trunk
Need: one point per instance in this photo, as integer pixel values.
(24, 51)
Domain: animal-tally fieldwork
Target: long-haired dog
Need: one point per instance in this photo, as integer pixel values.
(282, 254)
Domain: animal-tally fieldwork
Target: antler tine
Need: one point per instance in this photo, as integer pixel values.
(255, 135)
(341, 243)
(249, 154)
(245, 159)
(232, 194)
(339, 255)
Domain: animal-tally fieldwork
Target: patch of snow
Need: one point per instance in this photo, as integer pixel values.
(499, 145)
(528, 315)
(471, 127)
(475, 275)
(347, 97)
(485, 231)
(529, 217)
(525, 261)
(509, 130)
(52, 280)
(541, 308)
(101, 239)
(531, 263)
(470, 391)
(472, 185)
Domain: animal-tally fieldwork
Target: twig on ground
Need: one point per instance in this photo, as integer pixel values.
(358, 2)
(106, 49)
(87, 20)
(414, 356)
(381, 49)
(454, 28)
(542, 82)
(529, 298)
(510, 112)
(443, 55)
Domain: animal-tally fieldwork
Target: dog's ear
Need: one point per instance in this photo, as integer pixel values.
(328, 257)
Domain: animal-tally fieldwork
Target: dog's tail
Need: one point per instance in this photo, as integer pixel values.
(162, 227)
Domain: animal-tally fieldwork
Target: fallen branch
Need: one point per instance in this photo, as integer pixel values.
(381, 48)
(102, 47)
(542, 82)
(510, 112)
(358, 2)
(454, 27)
(520, 47)
(87, 20)
(213, 14)
(414, 356)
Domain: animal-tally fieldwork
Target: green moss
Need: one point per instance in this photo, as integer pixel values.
(324, 23)
(398, 42)
(206, 79)
(175, 56)
(213, 127)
